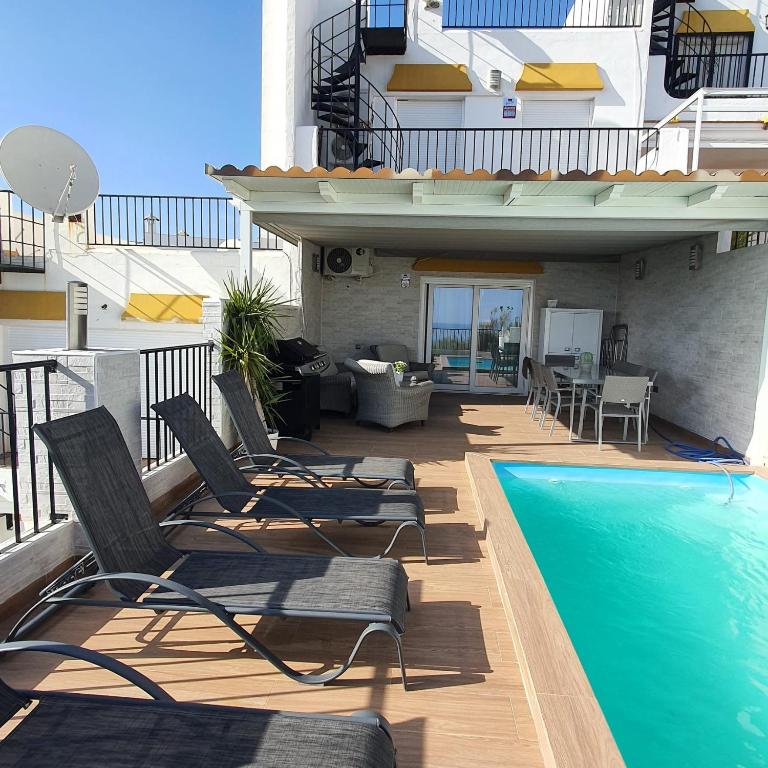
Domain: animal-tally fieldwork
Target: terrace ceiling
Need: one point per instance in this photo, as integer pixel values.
(571, 217)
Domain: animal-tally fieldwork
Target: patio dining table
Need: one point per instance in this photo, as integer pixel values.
(586, 377)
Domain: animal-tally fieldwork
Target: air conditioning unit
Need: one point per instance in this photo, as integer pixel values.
(348, 262)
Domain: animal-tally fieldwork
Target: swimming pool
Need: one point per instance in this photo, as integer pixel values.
(662, 586)
(456, 361)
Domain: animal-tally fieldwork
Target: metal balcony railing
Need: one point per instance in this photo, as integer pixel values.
(503, 149)
(22, 235)
(541, 14)
(724, 70)
(167, 372)
(170, 221)
(748, 239)
(27, 501)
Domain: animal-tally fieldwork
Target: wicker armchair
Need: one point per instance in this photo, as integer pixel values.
(392, 353)
(337, 391)
(381, 400)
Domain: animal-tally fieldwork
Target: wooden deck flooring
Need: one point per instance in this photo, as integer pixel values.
(466, 705)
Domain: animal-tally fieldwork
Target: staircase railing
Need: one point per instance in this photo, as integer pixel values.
(694, 57)
(346, 100)
(695, 103)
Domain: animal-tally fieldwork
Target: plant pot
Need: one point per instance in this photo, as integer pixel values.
(398, 378)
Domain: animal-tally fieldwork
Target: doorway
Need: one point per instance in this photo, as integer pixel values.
(476, 333)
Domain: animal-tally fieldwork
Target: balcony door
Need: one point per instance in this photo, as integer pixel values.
(432, 140)
(477, 333)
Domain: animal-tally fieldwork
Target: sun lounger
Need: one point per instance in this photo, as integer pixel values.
(229, 485)
(106, 491)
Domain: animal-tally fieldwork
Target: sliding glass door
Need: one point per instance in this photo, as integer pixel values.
(477, 334)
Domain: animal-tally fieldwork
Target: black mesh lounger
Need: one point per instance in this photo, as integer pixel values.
(228, 484)
(259, 450)
(132, 554)
(72, 729)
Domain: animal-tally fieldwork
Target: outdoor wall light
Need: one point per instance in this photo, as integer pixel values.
(694, 257)
(639, 269)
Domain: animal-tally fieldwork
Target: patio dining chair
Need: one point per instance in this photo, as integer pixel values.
(621, 397)
(259, 451)
(133, 557)
(228, 484)
(537, 387)
(632, 369)
(557, 397)
(102, 731)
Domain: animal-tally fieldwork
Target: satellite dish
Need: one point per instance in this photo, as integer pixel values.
(48, 170)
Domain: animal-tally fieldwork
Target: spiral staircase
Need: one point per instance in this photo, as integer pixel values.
(691, 54)
(358, 128)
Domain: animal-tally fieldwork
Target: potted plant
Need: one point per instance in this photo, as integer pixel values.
(400, 368)
(250, 330)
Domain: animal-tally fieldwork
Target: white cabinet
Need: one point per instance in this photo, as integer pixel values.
(570, 332)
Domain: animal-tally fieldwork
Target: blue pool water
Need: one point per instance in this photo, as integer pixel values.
(456, 361)
(663, 588)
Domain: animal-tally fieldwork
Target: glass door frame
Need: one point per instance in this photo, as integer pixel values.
(425, 323)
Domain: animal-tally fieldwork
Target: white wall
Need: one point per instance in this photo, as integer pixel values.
(114, 272)
(286, 66)
(377, 309)
(704, 331)
(620, 53)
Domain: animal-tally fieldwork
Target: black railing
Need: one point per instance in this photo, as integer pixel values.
(389, 14)
(344, 99)
(167, 372)
(541, 14)
(170, 221)
(748, 239)
(453, 340)
(28, 505)
(508, 149)
(22, 235)
(728, 70)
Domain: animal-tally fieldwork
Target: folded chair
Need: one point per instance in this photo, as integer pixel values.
(98, 731)
(228, 484)
(259, 450)
(133, 556)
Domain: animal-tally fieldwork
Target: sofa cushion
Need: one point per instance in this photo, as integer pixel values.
(391, 353)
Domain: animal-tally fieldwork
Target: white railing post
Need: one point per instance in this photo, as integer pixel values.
(697, 132)
(246, 242)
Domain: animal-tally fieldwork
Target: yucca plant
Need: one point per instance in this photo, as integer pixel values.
(251, 327)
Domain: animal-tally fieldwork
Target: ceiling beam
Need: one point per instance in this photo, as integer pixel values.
(710, 193)
(512, 194)
(609, 195)
(327, 192)
(238, 190)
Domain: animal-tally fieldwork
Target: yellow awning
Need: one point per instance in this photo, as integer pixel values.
(481, 266)
(552, 76)
(718, 21)
(32, 305)
(430, 78)
(164, 308)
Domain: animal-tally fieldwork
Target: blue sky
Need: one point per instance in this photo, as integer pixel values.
(453, 306)
(153, 89)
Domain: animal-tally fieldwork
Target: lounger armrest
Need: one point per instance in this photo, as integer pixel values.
(215, 527)
(303, 442)
(92, 657)
(257, 467)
